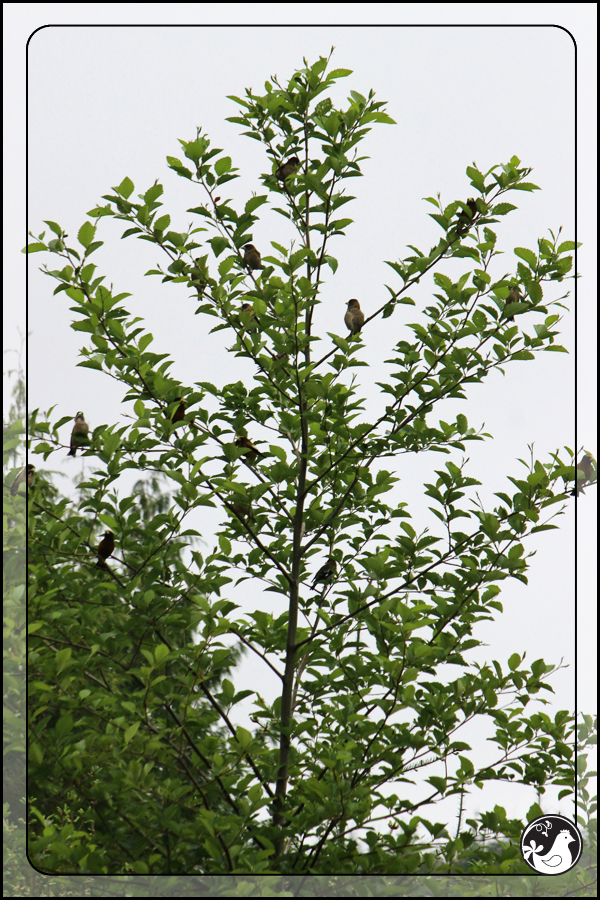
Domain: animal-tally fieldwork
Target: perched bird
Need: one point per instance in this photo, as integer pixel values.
(242, 505)
(289, 168)
(179, 414)
(105, 549)
(79, 435)
(513, 297)
(583, 474)
(252, 257)
(197, 280)
(355, 317)
(252, 453)
(25, 474)
(248, 308)
(464, 219)
(326, 572)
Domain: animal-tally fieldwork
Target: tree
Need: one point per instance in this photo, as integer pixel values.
(136, 761)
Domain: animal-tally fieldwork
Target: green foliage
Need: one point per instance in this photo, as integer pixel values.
(136, 761)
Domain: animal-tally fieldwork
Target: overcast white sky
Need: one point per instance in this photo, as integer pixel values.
(106, 102)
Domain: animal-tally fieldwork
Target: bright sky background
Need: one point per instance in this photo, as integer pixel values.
(106, 102)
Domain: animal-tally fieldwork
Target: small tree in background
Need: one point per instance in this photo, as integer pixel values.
(137, 763)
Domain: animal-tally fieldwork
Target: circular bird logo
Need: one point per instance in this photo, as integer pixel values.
(551, 845)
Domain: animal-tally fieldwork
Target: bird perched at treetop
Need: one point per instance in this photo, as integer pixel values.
(25, 474)
(79, 435)
(326, 572)
(252, 257)
(465, 218)
(583, 474)
(286, 169)
(105, 549)
(354, 318)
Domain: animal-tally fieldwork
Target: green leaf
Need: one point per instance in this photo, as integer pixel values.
(162, 651)
(223, 165)
(125, 189)
(130, 732)
(144, 341)
(54, 227)
(218, 244)
(528, 255)
(109, 522)
(338, 73)
(501, 209)
(86, 234)
(254, 203)
(566, 246)
(524, 186)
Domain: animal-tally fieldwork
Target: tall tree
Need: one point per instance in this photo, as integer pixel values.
(133, 662)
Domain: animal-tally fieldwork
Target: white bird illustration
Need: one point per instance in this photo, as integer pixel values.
(558, 859)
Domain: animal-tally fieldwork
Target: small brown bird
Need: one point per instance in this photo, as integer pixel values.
(242, 505)
(354, 318)
(25, 474)
(79, 435)
(289, 168)
(246, 443)
(179, 414)
(326, 572)
(513, 297)
(583, 474)
(105, 549)
(252, 257)
(197, 280)
(464, 219)
(252, 324)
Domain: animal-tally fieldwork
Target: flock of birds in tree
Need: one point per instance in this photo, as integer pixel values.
(354, 320)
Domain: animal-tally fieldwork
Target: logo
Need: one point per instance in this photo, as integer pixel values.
(551, 845)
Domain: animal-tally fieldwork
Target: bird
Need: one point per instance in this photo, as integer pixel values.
(25, 474)
(464, 217)
(355, 317)
(246, 444)
(556, 860)
(249, 309)
(513, 297)
(252, 257)
(242, 505)
(198, 281)
(105, 549)
(79, 435)
(286, 169)
(326, 572)
(179, 414)
(583, 474)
